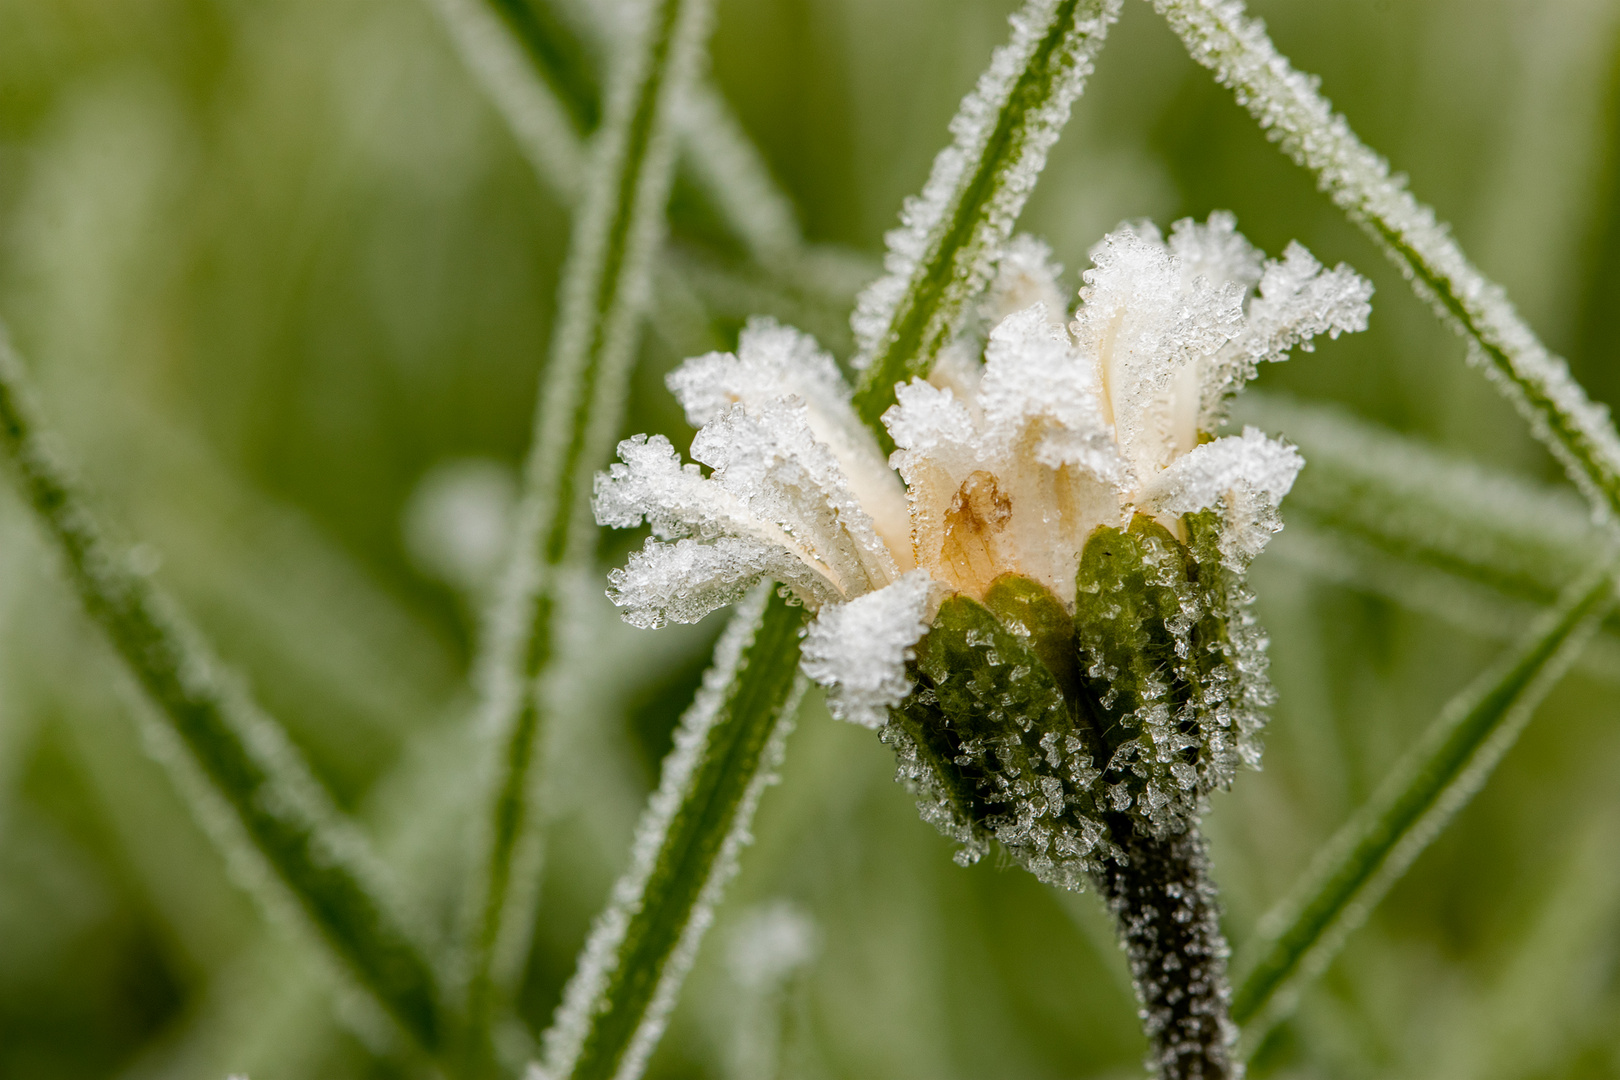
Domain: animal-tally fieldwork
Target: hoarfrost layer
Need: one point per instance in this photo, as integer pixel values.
(1012, 467)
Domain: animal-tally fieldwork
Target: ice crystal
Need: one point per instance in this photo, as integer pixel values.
(1220, 35)
(927, 219)
(859, 650)
(1047, 619)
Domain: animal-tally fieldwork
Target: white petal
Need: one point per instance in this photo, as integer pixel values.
(776, 364)
(858, 651)
(684, 581)
(1216, 251)
(1245, 476)
(650, 482)
(1198, 480)
(772, 361)
(1298, 300)
(1141, 323)
(1040, 397)
(769, 460)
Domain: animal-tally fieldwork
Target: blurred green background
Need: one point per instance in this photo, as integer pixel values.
(287, 286)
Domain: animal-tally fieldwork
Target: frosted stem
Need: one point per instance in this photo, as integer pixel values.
(941, 257)
(1293, 112)
(250, 765)
(604, 292)
(1169, 925)
(1435, 779)
(686, 849)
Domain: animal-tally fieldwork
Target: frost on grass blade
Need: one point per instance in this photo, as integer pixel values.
(618, 228)
(1292, 110)
(1427, 507)
(538, 121)
(275, 802)
(1435, 779)
(943, 255)
(685, 851)
(717, 149)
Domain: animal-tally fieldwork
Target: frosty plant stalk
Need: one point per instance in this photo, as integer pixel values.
(1041, 604)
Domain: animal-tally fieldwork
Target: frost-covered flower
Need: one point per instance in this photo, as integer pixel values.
(1041, 602)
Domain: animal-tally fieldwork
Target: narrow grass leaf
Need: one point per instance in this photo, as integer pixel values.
(1293, 112)
(726, 752)
(1431, 783)
(729, 168)
(543, 127)
(528, 62)
(280, 807)
(943, 254)
(1421, 505)
(617, 231)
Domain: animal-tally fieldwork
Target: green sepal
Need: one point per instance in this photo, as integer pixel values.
(1029, 610)
(1010, 757)
(1128, 596)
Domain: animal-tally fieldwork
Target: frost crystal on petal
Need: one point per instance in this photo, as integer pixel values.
(1252, 464)
(858, 651)
(1025, 276)
(1216, 251)
(684, 581)
(1297, 300)
(796, 490)
(1074, 653)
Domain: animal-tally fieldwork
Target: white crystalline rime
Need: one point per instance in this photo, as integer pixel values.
(858, 651)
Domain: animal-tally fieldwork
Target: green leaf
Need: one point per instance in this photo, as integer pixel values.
(686, 849)
(281, 809)
(945, 252)
(538, 75)
(1289, 106)
(603, 295)
(1434, 780)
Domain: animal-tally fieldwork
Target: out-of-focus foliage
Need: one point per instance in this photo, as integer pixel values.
(274, 264)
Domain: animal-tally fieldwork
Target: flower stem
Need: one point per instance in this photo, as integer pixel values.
(1165, 906)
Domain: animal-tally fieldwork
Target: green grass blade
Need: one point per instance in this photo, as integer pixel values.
(604, 292)
(686, 849)
(532, 68)
(543, 125)
(1434, 780)
(943, 254)
(615, 1007)
(1417, 504)
(729, 169)
(1288, 105)
(254, 769)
